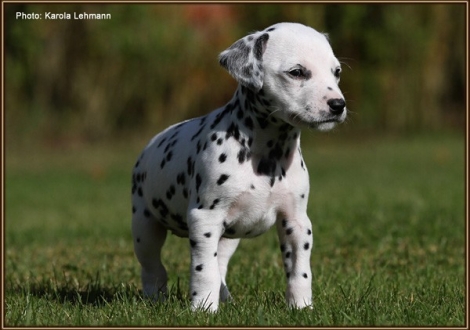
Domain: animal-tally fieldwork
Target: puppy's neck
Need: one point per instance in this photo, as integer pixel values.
(267, 140)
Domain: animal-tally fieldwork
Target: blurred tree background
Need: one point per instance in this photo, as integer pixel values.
(155, 64)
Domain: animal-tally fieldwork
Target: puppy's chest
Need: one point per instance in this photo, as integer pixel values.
(257, 193)
(252, 212)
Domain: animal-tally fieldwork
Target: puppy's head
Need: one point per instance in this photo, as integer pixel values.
(297, 70)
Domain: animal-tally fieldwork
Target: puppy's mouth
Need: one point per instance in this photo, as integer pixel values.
(324, 123)
(334, 120)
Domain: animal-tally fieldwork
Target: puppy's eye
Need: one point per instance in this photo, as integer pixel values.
(296, 73)
(337, 72)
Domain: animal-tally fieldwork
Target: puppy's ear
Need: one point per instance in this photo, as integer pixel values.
(244, 60)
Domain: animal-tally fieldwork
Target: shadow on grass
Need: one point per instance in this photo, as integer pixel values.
(94, 293)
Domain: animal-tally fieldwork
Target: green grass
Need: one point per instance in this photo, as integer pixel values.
(388, 221)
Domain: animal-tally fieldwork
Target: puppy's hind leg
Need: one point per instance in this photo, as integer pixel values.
(149, 237)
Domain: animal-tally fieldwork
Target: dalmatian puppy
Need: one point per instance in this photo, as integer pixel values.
(238, 171)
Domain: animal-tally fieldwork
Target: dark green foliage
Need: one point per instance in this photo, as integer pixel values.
(155, 64)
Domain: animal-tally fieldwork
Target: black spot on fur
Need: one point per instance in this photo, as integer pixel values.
(161, 142)
(289, 231)
(181, 179)
(222, 179)
(249, 123)
(172, 190)
(190, 166)
(192, 243)
(168, 156)
(199, 267)
(305, 275)
(207, 235)
(241, 155)
(222, 158)
(214, 203)
(240, 114)
(161, 206)
(197, 133)
(266, 166)
(276, 152)
(167, 147)
(288, 254)
(233, 131)
(198, 182)
(306, 246)
(203, 120)
(309, 232)
(220, 115)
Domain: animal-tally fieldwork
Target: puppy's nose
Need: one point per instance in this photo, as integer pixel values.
(336, 106)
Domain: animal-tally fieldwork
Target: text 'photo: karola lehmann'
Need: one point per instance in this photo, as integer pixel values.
(62, 16)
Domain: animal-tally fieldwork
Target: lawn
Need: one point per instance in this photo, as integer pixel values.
(388, 219)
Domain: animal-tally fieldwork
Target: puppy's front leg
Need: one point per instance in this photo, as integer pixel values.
(295, 236)
(205, 229)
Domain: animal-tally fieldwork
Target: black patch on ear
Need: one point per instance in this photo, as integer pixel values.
(246, 69)
(260, 46)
